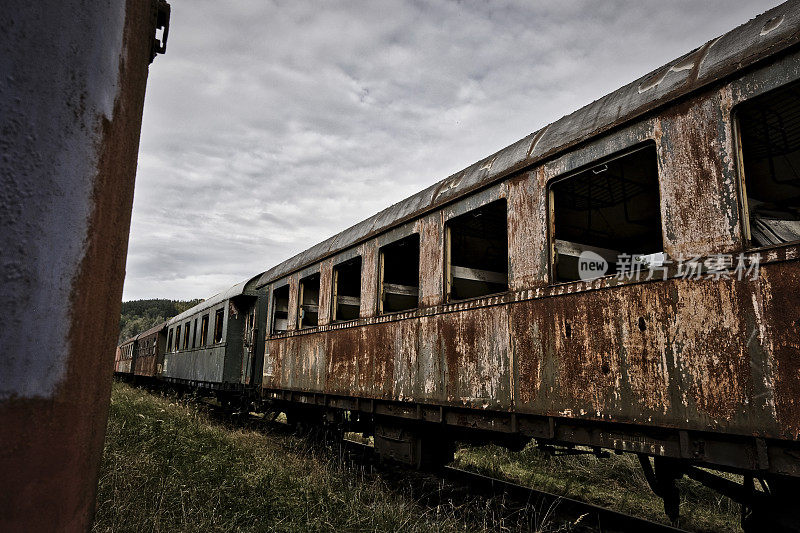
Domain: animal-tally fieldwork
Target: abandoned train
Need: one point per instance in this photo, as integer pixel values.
(623, 279)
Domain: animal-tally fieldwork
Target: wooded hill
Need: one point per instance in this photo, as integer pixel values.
(140, 315)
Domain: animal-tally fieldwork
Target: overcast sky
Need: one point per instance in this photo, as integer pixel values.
(270, 126)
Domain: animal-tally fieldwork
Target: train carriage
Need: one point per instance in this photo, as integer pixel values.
(124, 360)
(150, 347)
(624, 278)
(217, 344)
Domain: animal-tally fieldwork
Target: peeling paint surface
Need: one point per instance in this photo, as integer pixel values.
(71, 122)
(49, 166)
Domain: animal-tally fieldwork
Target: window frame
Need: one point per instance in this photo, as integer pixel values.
(204, 320)
(741, 176)
(219, 335)
(187, 327)
(641, 145)
(299, 306)
(273, 307)
(382, 270)
(448, 266)
(335, 270)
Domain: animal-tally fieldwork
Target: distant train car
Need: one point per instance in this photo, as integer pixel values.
(150, 347)
(625, 278)
(124, 363)
(217, 344)
(117, 359)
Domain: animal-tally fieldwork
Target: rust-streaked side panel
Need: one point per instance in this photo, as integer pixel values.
(779, 324)
(699, 204)
(675, 353)
(431, 260)
(527, 232)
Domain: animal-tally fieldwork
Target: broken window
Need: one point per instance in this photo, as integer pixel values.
(186, 335)
(169, 340)
(476, 249)
(308, 302)
(204, 330)
(612, 210)
(399, 275)
(769, 132)
(346, 301)
(280, 309)
(218, 320)
(177, 338)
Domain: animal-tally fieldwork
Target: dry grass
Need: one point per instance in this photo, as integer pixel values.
(169, 467)
(616, 482)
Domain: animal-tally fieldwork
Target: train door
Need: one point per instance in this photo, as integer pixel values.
(249, 346)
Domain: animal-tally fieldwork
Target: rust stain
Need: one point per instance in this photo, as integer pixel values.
(431, 260)
(710, 354)
(369, 278)
(325, 288)
(52, 447)
(527, 232)
(698, 202)
(779, 286)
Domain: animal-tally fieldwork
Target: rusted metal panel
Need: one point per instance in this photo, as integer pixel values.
(674, 353)
(527, 232)
(369, 278)
(431, 260)
(477, 370)
(325, 281)
(527, 349)
(697, 177)
(710, 351)
(344, 355)
(294, 284)
(778, 322)
(71, 110)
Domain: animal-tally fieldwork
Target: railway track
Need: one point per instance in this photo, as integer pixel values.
(575, 514)
(585, 516)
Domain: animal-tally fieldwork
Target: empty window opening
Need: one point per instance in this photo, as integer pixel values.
(194, 336)
(308, 302)
(477, 252)
(399, 275)
(769, 128)
(204, 330)
(280, 309)
(611, 209)
(186, 335)
(177, 338)
(346, 302)
(219, 316)
(169, 340)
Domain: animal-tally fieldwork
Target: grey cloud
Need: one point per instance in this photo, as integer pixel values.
(270, 126)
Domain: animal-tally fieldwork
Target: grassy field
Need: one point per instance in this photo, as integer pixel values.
(168, 466)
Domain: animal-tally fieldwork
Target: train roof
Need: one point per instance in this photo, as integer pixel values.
(767, 34)
(246, 287)
(127, 341)
(154, 329)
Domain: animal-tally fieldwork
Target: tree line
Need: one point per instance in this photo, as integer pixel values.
(140, 315)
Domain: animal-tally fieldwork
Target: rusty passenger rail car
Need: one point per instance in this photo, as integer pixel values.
(465, 310)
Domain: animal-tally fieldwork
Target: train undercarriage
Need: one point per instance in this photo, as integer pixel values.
(425, 437)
